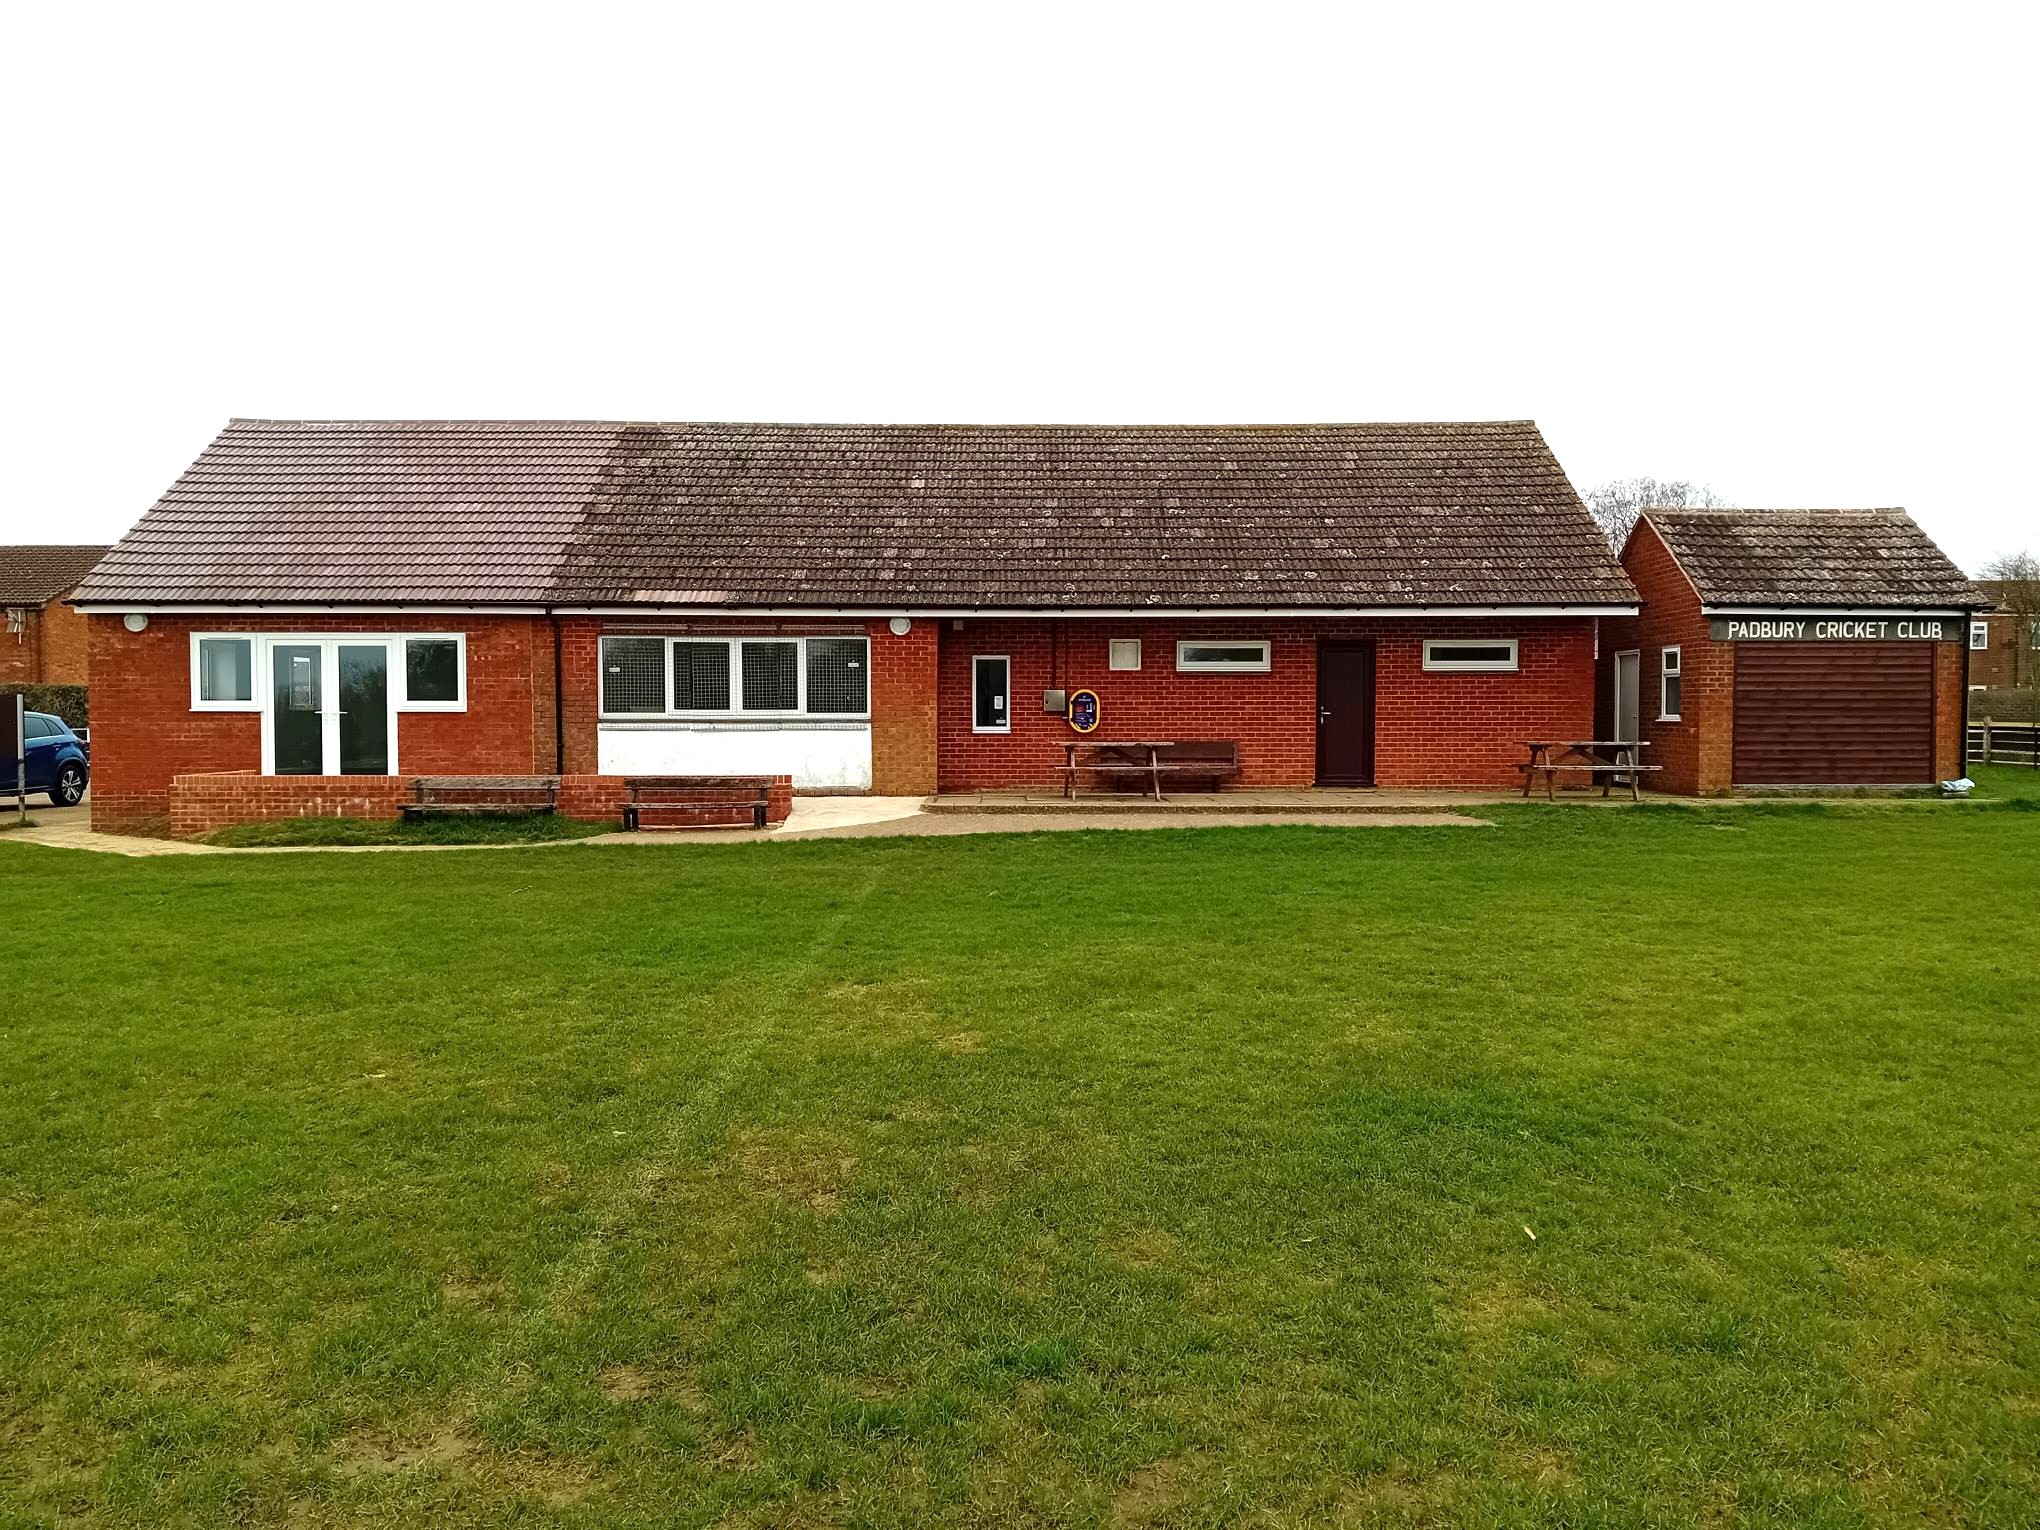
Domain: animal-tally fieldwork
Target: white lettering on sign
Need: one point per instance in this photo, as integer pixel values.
(1851, 629)
(1737, 630)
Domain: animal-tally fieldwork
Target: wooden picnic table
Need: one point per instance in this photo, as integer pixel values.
(1115, 757)
(1596, 758)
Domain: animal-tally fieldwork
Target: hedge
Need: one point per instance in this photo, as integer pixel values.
(65, 701)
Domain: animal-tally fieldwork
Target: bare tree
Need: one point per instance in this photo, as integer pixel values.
(2015, 579)
(1616, 505)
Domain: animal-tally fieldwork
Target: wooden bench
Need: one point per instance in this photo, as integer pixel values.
(1604, 760)
(451, 796)
(748, 795)
(1212, 760)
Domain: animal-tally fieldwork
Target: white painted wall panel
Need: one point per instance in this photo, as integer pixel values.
(819, 759)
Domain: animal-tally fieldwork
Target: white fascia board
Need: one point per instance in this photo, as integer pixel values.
(1113, 613)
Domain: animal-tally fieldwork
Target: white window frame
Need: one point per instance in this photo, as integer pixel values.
(1223, 666)
(1115, 649)
(403, 649)
(255, 701)
(733, 646)
(1005, 661)
(1437, 665)
(1979, 637)
(1670, 666)
(397, 663)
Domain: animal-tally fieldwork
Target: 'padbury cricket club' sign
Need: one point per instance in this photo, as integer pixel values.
(1834, 629)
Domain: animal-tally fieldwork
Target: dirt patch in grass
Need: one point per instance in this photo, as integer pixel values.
(807, 1168)
(625, 1384)
(961, 1043)
(369, 1454)
(1146, 1247)
(1154, 1492)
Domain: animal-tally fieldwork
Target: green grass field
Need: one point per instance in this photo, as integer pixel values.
(1124, 1178)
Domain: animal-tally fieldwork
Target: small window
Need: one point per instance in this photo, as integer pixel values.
(838, 679)
(226, 671)
(33, 726)
(1668, 685)
(1123, 653)
(1979, 635)
(772, 676)
(991, 684)
(633, 674)
(701, 677)
(1492, 656)
(432, 673)
(1220, 658)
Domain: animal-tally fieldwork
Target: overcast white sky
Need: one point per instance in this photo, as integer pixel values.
(1786, 250)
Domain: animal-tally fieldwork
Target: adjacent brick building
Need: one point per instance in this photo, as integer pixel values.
(1790, 648)
(2005, 643)
(44, 641)
(892, 609)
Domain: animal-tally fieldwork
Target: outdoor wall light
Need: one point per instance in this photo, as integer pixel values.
(134, 621)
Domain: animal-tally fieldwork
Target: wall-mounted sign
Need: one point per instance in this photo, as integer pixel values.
(1083, 710)
(1834, 629)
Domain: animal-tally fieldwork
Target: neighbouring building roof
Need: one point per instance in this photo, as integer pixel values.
(30, 576)
(934, 517)
(1842, 558)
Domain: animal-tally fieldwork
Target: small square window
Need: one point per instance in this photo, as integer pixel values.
(432, 671)
(226, 669)
(1979, 635)
(1123, 653)
(701, 676)
(838, 679)
(633, 675)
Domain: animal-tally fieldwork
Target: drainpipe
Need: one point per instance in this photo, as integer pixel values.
(559, 701)
(1963, 757)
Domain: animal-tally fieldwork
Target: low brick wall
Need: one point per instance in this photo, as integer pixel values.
(199, 804)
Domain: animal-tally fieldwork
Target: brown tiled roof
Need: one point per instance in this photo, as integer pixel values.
(34, 575)
(870, 516)
(1813, 558)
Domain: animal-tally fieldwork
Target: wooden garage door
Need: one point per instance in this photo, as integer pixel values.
(1834, 713)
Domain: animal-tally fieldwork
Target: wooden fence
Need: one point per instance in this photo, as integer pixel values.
(2004, 743)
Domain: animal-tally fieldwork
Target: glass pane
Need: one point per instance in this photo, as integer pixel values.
(838, 679)
(1671, 695)
(771, 677)
(300, 728)
(364, 710)
(1124, 653)
(634, 674)
(1224, 653)
(432, 669)
(701, 677)
(226, 669)
(990, 697)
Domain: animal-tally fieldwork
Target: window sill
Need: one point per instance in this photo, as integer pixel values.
(226, 706)
(1670, 717)
(1007, 729)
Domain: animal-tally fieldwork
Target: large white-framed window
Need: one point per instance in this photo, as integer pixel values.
(1979, 635)
(1668, 685)
(229, 669)
(991, 693)
(1473, 656)
(1222, 656)
(735, 678)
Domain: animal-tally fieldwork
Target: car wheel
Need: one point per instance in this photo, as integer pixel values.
(70, 788)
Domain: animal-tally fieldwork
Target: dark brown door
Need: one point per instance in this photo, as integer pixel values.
(1345, 713)
(1834, 714)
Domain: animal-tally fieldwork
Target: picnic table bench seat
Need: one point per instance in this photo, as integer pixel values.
(1608, 761)
(1213, 760)
(747, 797)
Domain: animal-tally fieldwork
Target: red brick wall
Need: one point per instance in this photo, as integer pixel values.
(144, 731)
(1697, 752)
(50, 649)
(200, 804)
(21, 652)
(1431, 729)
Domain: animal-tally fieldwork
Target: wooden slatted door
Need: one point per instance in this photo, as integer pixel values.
(1834, 714)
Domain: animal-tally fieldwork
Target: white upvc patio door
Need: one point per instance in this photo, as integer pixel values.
(329, 707)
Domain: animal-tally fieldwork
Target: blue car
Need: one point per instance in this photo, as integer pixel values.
(58, 761)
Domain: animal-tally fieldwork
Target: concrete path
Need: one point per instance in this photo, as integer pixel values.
(811, 818)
